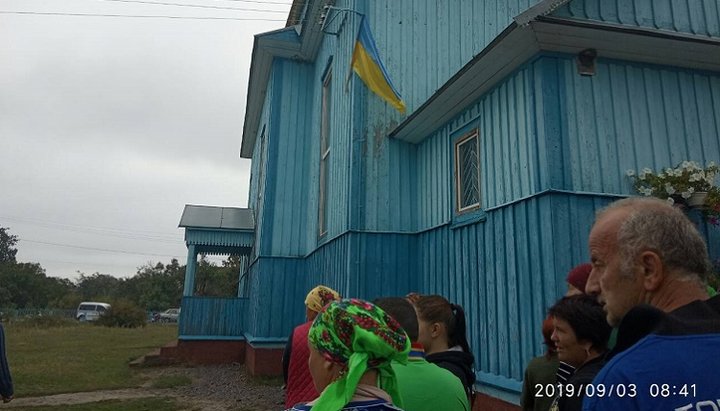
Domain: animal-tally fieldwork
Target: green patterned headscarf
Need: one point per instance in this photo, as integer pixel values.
(360, 336)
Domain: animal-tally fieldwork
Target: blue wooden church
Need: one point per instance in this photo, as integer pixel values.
(522, 119)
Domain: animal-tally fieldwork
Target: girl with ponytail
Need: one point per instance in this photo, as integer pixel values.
(443, 334)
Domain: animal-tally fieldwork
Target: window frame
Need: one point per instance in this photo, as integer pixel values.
(325, 122)
(464, 139)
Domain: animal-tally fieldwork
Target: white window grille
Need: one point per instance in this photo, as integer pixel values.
(467, 172)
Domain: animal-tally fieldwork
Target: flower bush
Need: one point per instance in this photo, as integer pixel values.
(679, 184)
(712, 208)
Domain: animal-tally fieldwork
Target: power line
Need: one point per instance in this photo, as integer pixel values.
(75, 263)
(177, 241)
(143, 234)
(196, 6)
(98, 249)
(38, 13)
(262, 2)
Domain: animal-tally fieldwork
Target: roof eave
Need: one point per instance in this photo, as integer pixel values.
(505, 53)
(517, 44)
(265, 49)
(304, 47)
(542, 8)
(639, 44)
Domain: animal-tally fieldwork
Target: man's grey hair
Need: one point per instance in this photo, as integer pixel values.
(655, 225)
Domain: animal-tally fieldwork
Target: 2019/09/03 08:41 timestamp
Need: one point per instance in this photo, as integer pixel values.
(657, 390)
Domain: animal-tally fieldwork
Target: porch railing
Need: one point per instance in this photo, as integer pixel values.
(212, 318)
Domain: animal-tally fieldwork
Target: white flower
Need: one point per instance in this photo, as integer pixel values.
(645, 171)
(685, 165)
(661, 175)
(691, 190)
(669, 189)
(694, 177)
(670, 200)
(630, 173)
(711, 164)
(686, 194)
(647, 192)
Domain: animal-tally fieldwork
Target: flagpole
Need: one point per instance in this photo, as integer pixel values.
(352, 57)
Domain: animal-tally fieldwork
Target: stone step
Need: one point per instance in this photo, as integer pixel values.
(154, 358)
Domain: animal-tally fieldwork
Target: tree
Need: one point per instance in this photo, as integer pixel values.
(7, 246)
(26, 284)
(214, 281)
(156, 287)
(98, 286)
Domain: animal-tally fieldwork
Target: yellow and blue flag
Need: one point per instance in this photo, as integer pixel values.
(367, 65)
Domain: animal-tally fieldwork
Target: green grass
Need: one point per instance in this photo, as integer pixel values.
(79, 358)
(171, 381)
(140, 404)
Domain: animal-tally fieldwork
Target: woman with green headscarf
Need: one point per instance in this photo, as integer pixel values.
(352, 343)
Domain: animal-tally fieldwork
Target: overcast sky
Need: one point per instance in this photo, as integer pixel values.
(109, 125)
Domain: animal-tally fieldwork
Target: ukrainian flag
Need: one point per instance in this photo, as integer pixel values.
(367, 65)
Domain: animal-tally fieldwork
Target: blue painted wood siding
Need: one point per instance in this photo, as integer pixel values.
(506, 272)
(285, 214)
(423, 43)
(701, 17)
(213, 317)
(630, 116)
(276, 297)
(363, 265)
(260, 161)
(546, 127)
(512, 153)
(218, 238)
(371, 184)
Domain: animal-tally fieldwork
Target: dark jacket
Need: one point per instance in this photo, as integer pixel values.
(686, 340)
(457, 362)
(583, 376)
(6, 384)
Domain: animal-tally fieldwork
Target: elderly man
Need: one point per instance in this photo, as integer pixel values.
(649, 270)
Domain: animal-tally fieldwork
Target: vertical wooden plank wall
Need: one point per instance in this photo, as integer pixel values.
(700, 17)
(213, 317)
(554, 148)
(631, 116)
(510, 156)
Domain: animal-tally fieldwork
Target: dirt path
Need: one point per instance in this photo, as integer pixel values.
(92, 396)
(213, 388)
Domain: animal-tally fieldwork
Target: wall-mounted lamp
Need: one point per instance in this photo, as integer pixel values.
(586, 62)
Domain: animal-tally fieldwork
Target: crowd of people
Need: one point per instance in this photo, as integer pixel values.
(395, 351)
(638, 329)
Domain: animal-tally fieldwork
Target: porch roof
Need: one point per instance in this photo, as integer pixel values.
(218, 230)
